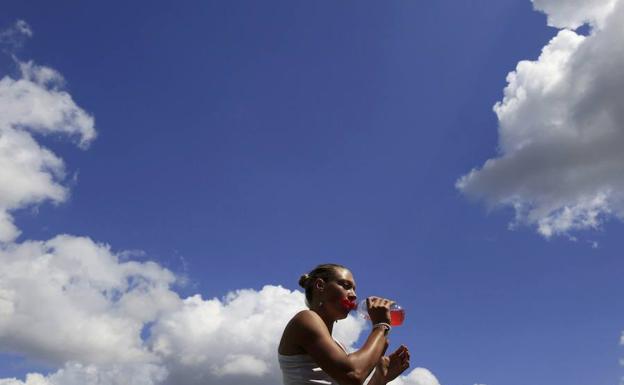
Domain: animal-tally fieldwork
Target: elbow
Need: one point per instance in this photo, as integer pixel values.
(354, 378)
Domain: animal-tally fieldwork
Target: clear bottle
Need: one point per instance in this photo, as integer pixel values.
(397, 314)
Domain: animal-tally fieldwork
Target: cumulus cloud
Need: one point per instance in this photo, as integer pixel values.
(574, 13)
(74, 373)
(561, 126)
(70, 298)
(191, 341)
(72, 302)
(234, 339)
(225, 340)
(32, 104)
(418, 376)
(98, 316)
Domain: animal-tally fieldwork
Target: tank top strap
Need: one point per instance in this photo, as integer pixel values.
(341, 345)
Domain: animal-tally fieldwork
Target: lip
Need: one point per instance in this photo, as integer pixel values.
(348, 305)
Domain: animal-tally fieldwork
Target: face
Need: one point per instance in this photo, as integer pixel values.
(336, 291)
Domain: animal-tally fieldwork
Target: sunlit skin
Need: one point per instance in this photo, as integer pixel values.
(309, 332)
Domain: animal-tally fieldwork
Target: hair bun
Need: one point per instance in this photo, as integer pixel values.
(304, 280)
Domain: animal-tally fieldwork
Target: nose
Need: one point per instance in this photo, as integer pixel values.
(352, 296)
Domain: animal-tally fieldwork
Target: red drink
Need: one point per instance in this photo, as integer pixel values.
(397, 314)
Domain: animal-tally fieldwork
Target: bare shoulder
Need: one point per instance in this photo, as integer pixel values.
(306, 317)
(306, 321)
(303, 326)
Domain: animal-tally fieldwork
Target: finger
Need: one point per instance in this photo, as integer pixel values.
(400, 352)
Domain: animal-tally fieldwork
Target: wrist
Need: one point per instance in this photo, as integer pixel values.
(384, 326)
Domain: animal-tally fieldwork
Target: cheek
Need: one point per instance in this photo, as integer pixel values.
(338, 294)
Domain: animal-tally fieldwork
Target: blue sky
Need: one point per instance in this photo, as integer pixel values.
(240, 144)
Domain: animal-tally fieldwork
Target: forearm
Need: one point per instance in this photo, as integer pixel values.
(377, 378)
(365, 359)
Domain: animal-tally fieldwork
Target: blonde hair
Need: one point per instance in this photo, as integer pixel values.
(326, 271)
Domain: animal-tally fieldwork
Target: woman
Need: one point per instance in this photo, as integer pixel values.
(309, 354)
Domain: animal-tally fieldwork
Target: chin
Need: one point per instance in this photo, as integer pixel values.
(344, 315)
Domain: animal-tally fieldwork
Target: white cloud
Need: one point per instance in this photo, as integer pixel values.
(71, 299)
(14, 36)
(30, 173)
(50, 293)
(74, 373)
(574, 13)
(418, 376)
(561, 127)
(36, 103)
(72, 302)
(232, 340)
(98, 316)
(222, 341)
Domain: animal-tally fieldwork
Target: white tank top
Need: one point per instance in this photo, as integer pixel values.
(300, 369)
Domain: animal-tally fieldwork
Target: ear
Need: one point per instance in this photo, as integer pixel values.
(319, 283)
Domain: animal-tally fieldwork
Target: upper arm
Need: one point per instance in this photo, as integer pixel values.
(314, 338)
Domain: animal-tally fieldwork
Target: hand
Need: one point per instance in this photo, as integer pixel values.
(378, 309)
(390, 367)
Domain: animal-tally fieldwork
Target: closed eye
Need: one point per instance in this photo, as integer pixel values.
(346, 284)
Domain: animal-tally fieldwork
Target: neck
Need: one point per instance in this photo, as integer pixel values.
(329, 321)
